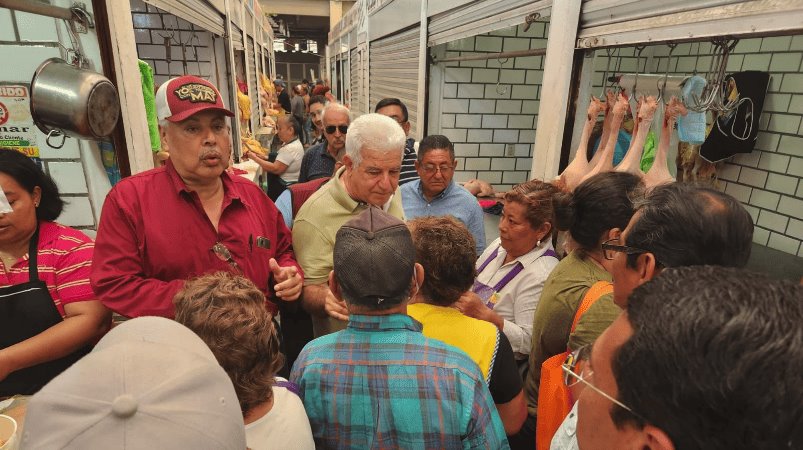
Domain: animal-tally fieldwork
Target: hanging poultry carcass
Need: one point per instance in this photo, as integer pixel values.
(610, 100)
(605, 163)
(632, 160)
(659, 172)
(579, 166)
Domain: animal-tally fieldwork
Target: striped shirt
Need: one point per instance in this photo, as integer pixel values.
(64, 259)
(381, 384)
(408, 172)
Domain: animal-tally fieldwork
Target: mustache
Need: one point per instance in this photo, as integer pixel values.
(211, 153)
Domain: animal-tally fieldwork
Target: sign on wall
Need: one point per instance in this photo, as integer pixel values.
(17, 130)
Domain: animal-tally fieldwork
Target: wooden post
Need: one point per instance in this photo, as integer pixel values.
(129, 86)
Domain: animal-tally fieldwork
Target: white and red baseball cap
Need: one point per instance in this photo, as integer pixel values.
(181, 97)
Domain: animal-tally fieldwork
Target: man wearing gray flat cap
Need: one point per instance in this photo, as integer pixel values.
(380, 382)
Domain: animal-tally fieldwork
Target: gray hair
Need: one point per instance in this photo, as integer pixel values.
(331, 106)
(374, 132)
(163, 123)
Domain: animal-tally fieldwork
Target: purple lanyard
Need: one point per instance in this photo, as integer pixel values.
(289, 385)
(513, 272)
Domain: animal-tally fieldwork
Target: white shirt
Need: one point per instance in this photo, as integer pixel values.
(566, 438)
(285, 426)
(518, 299)
(291, 154)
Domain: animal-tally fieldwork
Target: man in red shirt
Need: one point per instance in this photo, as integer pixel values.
(166, 225)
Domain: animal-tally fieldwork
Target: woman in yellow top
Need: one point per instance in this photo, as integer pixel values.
(445, 248)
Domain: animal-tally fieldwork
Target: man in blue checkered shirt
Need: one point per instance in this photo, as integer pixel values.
(380, 383)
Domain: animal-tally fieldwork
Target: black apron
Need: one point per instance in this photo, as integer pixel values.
(26, 310)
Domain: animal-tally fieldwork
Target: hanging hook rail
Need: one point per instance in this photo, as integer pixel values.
(662, 88)
(639, 49)
(487, 56)
(717, 88)
(608, 52)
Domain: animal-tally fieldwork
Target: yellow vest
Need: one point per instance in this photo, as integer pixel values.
(478, 338)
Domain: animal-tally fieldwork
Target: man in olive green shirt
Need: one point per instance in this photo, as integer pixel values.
(369, 176)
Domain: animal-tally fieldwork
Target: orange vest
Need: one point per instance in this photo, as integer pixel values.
(553, 395)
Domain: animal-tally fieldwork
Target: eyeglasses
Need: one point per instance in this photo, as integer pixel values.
(223, 254)
(609, 250)
(581, 354)
(571, 377)
(429, 169)
(330, 129)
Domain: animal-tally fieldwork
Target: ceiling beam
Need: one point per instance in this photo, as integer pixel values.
(296, 7)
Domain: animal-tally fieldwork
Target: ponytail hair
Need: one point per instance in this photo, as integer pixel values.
(599, 204)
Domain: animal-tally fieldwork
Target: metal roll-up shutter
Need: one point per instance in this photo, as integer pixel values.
(197, 12)
(237, 37)
(482, 17)
(627, 22)
(394, 70)
(333, 74)
(357, 99)
(253, 94)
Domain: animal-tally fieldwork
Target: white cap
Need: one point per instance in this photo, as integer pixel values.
(149, 384)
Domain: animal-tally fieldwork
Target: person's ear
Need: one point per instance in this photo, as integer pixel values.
(614, 233)
(417, 165)
(656, 438)
(37, 195)
(418, 279)
(647, 267)
(544, 230)
(348, 162)
(163, 138)
(334, 286)
(406, 128)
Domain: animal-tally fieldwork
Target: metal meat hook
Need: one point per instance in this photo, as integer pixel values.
(530, 19)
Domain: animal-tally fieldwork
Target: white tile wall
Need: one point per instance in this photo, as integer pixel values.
(768, 180)
(77, 213)
(36, 27)
(6, 26)
(494, 104)
(66, 164)
(151, 25)
(69, 177)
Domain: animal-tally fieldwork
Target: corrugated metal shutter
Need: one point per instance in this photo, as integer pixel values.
(197, 12)
(394, 70)
(253, 94)
(627, 22)
(482, 17)
(237, 37)
(357, 96)
(595, 13)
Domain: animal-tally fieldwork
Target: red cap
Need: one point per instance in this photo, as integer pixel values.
(182, 97)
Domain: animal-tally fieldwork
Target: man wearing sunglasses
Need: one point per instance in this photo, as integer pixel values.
(319, 160)
(678, 225)
(166, 225)
(369, 177)
(704, 357)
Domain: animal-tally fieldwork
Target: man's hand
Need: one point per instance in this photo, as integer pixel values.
(288, 281)
(336, 308)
